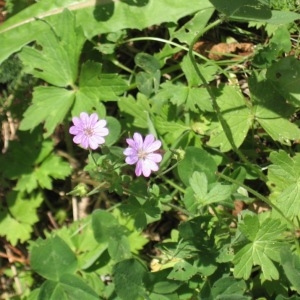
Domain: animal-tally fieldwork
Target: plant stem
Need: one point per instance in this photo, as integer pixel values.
(178, 208)
(91, 155)
(216, 107)
(174, 185)
(258, 195)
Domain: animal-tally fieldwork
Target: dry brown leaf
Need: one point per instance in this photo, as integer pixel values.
(221, 50)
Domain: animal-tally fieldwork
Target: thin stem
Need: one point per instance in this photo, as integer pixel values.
(97, 188)
(121, 66)
(216, 107)
(168, 155)
(167, 170)
(114, 206)
(174, 185)
(178, 208)
(92, 156)
(258, 195)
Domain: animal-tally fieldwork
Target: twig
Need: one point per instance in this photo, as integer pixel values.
(19, 289)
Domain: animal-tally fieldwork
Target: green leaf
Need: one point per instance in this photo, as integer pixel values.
(128, 277)
(108, 231)
(25, 27)
(175, 93)
(143, 211)
(50, 104)
(291, 266)
(217, 193)
(196, 159)
(186, 33)
(283, 17)
(147, 62)
(67, 287)
(97, 85)
(243, 10)
(114, 131)
(18, 216)
(284, 76)
(264, 242)
(193, 97)
(82, 242)
(160, 284)
(42, 175)
(278, 44)
(271, 110)
(40, 166)
(168, 126)
(182, 271)
(228, 288)
(207, 70)
(136, 108)
(199, 184)
(52, 257)
(53, 167)
(235, 113)
(148, 83)
(284, 177)
(57, 60)
(198, 98)
(284, 169)
(104, 224)
(204, 194)
(119, 247)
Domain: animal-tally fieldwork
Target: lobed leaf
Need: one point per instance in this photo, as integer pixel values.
(284, 76)
(271, 110)
(18, 216)
(50, 105)
(236, 114)
(196, 159)
(103, 16)
(57, 60)
(284, 177)
(291, 265)
(262, 248)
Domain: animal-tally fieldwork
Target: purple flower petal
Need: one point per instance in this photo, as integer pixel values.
(131, 160)
(94, 119)
(153, 147)
(138, 139)
(89, 131)
(156, 157)
(149, 139)
(130, 152)
(142, 153)
(132, 143)
(139, 168)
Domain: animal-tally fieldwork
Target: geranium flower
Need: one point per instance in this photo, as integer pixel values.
(89, 131)
(142, 153)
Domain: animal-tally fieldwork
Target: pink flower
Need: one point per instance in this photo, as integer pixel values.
(142, 153)
(88, 130)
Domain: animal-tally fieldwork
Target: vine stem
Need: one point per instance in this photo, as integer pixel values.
(216, 107)
(258, 195)
(93, 158)
(174, 185)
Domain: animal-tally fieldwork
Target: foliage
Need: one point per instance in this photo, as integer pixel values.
(216, 85)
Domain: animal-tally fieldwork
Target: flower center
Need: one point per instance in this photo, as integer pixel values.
(88, 131)
(142, 154)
